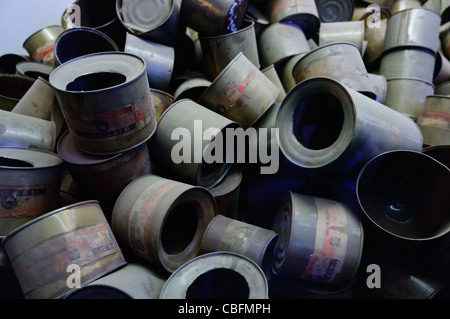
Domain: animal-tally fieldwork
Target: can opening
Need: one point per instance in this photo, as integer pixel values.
(36, 74)
(318, 122)
(14, 87)
(220, 283)
(79, 42)
(96, 81)
(179, 228)
(96, 13)
(12, 162)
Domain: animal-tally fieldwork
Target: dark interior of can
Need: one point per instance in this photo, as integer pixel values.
(96, 13)
(81, 42)
(36, 74)
(219, 283)
(407, 195)
(98, 292)
(12, 162)
(96, 81)
(8, 63)
(318, 120)
(179, 228)
(14, 87)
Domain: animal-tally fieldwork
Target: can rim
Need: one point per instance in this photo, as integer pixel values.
(31, 150)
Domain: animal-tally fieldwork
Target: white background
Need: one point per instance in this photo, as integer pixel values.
(21, 18)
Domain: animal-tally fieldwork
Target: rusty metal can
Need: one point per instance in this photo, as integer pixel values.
(106, 101)
(241, 92)
(42, 250)
(434, 120)
(76, 42)
(193, 168)
(228, 234)
(162, 220)
(321, 240)
(217, 275)
(213, 17)
(103, 178)
(133, 281)
(281, 41)
(347, 136)
(39, 45)
(12, 88)
(30, 184)
(218, 51)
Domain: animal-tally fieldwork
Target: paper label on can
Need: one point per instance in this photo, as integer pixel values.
(44, 53)
(237, 239)
(121, 122)
(330, 243)
(434, 118)
(24, 201)
(48, 260)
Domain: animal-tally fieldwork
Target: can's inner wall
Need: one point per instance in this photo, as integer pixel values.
(12, 162)
(96, 81)
(220, 283)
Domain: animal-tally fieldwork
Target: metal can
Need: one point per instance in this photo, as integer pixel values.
(162, 220)
(321, 240)
(39, 45)
(241, 92)
(217, 275)
(161, 101)
(335, 11)
(34, 69)
(44, 250)
(12, 88)
(106, 101)
(9, 61)
(30, 184)
(434, 119)
(344, 31)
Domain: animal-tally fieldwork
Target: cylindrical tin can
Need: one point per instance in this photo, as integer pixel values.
(349, 130)
(434, 120)
(161, 101)
(301, 12)
(213, 17)
(335, 10)
(281, 41)
(162, 220)
(407, 96)
(30, 183)
(255, 13)
(218, 51)
(441, 69)
(400, 193)
(415, 63)
(377, 84)
(45, 251)
(287, 69)
(9, 61)
(106, 101)
(99, 15)
(103, 178)
(12, 88)
(375, 43)
(228, 234)
(39, 45)
(400, 5)
(157, 21)
(226, 193)
(241, 92)
(25, 131)
(328, 60)
(38, 101)
(76, 42)
(133, 281)
(443, 88)
(159, 60)
(217, 275)
(34, 69)
(320, 240)
(344, 31)
(412, 27)
(193, 167)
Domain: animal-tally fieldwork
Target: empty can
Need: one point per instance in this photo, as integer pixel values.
(39, 45)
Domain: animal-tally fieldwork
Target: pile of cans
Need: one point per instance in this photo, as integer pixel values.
(213, 149)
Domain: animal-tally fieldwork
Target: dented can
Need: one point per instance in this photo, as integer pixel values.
(30, 184)
(42, 250)
(106, 101)
(233, 275)
(162, 220)
(321, 240)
